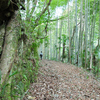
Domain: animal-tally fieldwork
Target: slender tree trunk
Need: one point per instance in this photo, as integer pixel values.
(89, 31)
(99, 26)
(99, 41)
(86, 31)
(56, 42)
(63, 53)
(48, 49)
(81, 34)
(69, 52)
(72, 36)
(76, 35)
(60, 40)
(50, 45)
(45, 51)
(92, 36)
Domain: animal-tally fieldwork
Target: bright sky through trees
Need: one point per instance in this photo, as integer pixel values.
(59, 10)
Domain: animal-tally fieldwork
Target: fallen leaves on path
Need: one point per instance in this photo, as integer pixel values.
(59, 81)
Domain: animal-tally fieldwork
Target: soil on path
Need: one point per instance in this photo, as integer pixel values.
(59, 81)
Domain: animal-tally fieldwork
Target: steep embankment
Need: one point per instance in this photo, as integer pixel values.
(59, 81)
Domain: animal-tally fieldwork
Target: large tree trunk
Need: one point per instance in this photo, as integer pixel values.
(10, 44)
(4, 4)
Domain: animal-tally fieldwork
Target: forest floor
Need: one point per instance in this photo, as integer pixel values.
(59, 81)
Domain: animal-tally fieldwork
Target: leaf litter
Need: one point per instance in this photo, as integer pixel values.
(60, 81)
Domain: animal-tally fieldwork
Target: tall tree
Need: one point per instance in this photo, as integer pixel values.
(56, 42)
(69, 52)
(92, 35)
(76, 35)
(80, 33)
(60, 33)
(99, 40)
(86, 30)
(51, 44)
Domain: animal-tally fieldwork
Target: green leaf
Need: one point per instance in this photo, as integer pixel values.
(25, 77)
(30, 70)
(2, 92)
(13, 74)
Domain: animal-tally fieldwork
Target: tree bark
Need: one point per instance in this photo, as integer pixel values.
(76, 36)
(60, 32)
(56, 42)
(69, 52)
(86, 31)
(9, 47)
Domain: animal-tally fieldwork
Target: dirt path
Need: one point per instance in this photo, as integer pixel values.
(59, 81)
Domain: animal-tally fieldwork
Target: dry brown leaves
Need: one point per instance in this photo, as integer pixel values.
(59, 81)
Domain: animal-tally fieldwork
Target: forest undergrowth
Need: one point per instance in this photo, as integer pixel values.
(59, 81)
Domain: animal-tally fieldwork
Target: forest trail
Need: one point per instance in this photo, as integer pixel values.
(59, 81)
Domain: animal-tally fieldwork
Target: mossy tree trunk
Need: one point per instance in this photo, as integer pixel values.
(9, 49)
